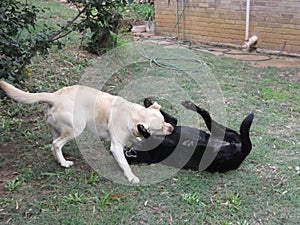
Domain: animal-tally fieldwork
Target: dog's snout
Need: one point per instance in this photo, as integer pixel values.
(169, 129)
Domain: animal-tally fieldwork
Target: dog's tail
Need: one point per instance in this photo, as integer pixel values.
(25, 97)
(245, 137)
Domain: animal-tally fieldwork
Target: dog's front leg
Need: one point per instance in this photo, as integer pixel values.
(117, 150)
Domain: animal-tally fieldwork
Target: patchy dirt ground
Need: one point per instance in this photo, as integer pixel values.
(259, 60)
(279, 61)
(6, 171)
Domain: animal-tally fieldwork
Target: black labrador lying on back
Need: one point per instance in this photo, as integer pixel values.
(190, 148)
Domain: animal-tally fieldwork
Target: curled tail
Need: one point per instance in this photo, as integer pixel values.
(244, 133)
(25, 97)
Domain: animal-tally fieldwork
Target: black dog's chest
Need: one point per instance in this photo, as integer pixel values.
(190, 137)
(182, 145)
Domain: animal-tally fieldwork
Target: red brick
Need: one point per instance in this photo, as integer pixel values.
(274, 21)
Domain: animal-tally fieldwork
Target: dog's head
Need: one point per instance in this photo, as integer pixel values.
(153, 122)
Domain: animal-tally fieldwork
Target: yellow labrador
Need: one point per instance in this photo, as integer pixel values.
(73, 109)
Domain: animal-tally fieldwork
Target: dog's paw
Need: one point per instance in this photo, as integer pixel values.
(189, 105)
(134, 180)
(148, 102)
(66, 164)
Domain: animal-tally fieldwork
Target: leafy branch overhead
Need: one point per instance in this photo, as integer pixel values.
(20, 41)
(101, 21)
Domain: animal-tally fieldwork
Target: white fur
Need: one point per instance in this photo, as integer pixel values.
(76, 108)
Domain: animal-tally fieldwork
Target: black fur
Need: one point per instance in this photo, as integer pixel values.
(190, 148)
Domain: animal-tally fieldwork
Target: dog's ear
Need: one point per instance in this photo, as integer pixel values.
(142, 130)
(155, 105)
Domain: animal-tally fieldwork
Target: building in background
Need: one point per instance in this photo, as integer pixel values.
(275, 23)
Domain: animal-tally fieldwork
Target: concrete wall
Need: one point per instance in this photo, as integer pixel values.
(275, 22)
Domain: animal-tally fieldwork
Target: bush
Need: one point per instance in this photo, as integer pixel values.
(18, 41)
(101, 19)
(144, 11)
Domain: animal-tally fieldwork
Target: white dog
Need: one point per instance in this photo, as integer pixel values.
(76, 108)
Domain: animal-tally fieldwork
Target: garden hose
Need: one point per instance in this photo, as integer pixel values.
(166, 63)
(188, 44)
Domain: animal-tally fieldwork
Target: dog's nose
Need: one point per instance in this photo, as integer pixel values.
(171, 128)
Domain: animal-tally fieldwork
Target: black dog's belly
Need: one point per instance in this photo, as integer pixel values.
(182, 149)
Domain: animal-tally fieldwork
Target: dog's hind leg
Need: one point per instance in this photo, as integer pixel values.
(214, 127)
(203, 113)
(59, 142)
(55, 135)
(57, 146)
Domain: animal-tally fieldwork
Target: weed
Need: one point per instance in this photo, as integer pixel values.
(192, 198)
(110, 197)
(225, 223)
(143, 11)
(39, 204)
(7, 122)
(105, 199)
(14, 184)
(235, 223)
(29, 134)
(45, 147)
(75, 198)
(66, 174)
(93, 178)
(233, 200)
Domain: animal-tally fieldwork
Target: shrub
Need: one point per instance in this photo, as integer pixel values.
(18, 40)
(101, 19)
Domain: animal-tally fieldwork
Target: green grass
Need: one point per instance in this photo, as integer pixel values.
(34, 189)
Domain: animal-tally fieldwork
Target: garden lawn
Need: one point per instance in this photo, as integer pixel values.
(34, 189)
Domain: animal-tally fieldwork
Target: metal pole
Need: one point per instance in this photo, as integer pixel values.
(182, 19)
(247, 20)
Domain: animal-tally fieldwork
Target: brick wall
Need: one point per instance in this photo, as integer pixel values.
(275, 22)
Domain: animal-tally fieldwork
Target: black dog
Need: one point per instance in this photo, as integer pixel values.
(194, 149)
